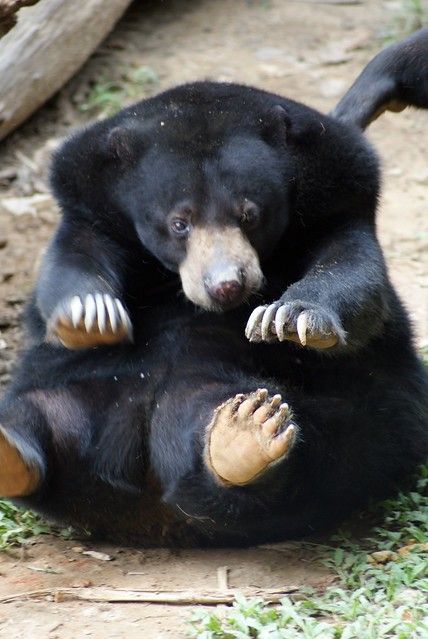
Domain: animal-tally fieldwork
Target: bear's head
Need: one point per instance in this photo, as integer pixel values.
(203, 175)
(209, 205)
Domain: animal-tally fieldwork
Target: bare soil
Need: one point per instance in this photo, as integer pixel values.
(308, 50)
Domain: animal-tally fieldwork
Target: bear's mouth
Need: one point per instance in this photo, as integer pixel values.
(221, 268)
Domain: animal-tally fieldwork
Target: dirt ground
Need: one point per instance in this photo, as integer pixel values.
(309, 50)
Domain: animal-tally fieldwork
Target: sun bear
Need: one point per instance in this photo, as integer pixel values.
(216, 354)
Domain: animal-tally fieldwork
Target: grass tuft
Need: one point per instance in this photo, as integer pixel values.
(16, 525)
(371, 600)
(107, 97)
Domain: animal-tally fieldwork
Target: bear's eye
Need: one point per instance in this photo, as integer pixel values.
(250, 214)
(180, 227)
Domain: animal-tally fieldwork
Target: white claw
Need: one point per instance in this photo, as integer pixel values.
(280, 323)
(111, 312)
(302, 325)
(101, 312)
(90, 312)
(124, 319)
(290, 432)
(76, 309)
(253, 321)
(267, 320)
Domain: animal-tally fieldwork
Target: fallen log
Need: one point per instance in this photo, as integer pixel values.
(8, 10)
(47, 46)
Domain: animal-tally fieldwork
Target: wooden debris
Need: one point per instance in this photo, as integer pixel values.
(8, 10)
(31, 205)
(223, 578)
(123, 595)
(48, 570)
(47, 46)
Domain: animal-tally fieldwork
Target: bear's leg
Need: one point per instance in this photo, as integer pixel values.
(79, 293)
(58, 444)
(248, 435)
(18, 477)
(22, 465)
(231, 428)
(242, 462)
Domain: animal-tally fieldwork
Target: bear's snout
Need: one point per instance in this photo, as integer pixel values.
(221, 268)
(226, 285)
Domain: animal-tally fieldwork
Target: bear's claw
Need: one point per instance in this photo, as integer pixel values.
(248, 435)
(93, 320)
(307, 325)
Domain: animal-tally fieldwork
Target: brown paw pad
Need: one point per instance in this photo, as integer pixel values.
(17, 479)
(248, 434)
(90, 321)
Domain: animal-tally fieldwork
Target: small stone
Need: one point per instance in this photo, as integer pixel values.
(3, 242)
(101, 556)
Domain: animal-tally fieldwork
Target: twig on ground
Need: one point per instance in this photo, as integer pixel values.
(222, 578)
(123, 595)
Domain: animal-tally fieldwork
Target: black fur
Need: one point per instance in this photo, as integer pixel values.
(396, 78)
(118, 431)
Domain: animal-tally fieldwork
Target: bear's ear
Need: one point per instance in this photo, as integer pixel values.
(125, 141)
(275, 123)
(280, 124)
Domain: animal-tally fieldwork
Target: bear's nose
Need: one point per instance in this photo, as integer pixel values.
(226, 292)
(226, 287)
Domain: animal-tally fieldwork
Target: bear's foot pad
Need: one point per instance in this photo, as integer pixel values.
(17, 479)
(248, 434)
(93, 320)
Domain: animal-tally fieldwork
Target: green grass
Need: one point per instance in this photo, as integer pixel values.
(17, 525)
(369, 601)
(411, 15)
(107, 97)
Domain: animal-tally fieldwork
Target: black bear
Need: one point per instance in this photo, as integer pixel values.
(216, 353)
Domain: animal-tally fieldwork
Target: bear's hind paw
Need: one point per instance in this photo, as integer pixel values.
(248, 434)
(93, 320)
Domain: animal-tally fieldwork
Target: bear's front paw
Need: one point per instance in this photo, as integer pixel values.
(93, 320)
(301, 322)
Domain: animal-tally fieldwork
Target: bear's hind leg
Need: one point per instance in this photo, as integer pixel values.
(23, 438)
(19, 476)
(247, 436)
